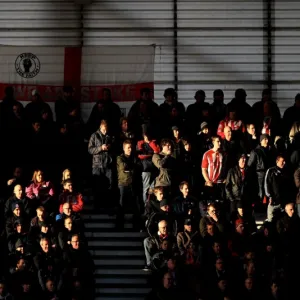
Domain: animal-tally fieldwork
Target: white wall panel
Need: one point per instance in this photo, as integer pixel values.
(39, 23)
(135, 23)
(220, 45)
(286, 54)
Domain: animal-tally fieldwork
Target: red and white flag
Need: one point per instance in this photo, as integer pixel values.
(122, 69)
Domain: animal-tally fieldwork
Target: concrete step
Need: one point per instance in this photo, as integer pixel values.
(120, 262)
(115, 244)
(129, 235)
(117, 253)
(119, 271)
(114, 297)
(105, 225)
(122, 280)
(133, 291)
(99, 217)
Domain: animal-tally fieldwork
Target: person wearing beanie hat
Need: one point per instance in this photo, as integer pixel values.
(259, 161)
(197, 113)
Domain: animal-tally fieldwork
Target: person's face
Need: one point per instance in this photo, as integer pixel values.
(222, 284)
(159, 195)
(264, 142)
(250, 269)
(165, 208)
(17, 172)
(187, 147)
(174, 112)
(67, 209)
(40, 214)
(188, 228)
(68, 224)
(274, 288)
(68, 187)
(168, 281)
(250, 255)
(199, 98)
(170, 98)
(205, 130)
(266, 232)
(251, 129)
(176, 133)
(162, 227)
(167, 148)
(75, 242)
(289, 209)
(20, 249)
(50, 285)
(106, 95)
(242, 162)
(36, 126)
(45, 246)
(146, 96)
(240, 229)
(67, 175)
(17, 212)
(21, 264)
(127, 149)
(39, 177)
(44, 229)
(124, 126)
(18, 191)
(217, 143)
(210, 229)
(219, 265)
(67, 94)
(26, 287)
(185, 190)
(103, 129)
(280, 162)
(227, 133)
(212, 212)
(2, 287)
(269, 248)
(16, 110)
(164, 245)
(19, 228)
(297, 103)
(217, 248)
(232, 115)
(171, 264)
(219, 99)
(248, 284)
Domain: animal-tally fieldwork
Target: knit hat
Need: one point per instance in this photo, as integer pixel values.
(175, 128)
(14, 206)
(263, 136)
(238, 223)
(187, 222)
(203, 125)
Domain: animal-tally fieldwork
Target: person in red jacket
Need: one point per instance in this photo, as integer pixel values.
(71, 197)
(146, 148)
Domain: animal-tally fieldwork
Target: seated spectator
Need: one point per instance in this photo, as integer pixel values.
(50, 290)
(66, 174)
(153, 204)
(16, 179)
(71, 197)
(20, 234)
(297, 183)
(17, 215)
(18, 198)
(185, 206)
(177, 146)
(160, 259)
(151, 243)
(41, 191)
(67, 212)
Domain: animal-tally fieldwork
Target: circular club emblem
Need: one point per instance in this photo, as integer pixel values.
(27, 65)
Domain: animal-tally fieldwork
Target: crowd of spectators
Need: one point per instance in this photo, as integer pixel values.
(192, 178)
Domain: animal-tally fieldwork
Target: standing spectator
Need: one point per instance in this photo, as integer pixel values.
(249, 141)
(258, 163)
(218, 108)
(177, 142)
(153, 204)
(292, 115)
(127, 182)
(146, 148)
(195, 112)
(277, 187)
(166, 164)
(212, 164)
(232, 121)
(100, 146)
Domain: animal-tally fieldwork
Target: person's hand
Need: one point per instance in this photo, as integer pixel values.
(11, 181)
(73, 113)
(270, 201)
(104, 147)
(208, 183)
(189, 212)
(254, 137)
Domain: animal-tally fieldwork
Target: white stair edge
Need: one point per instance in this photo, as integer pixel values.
(117, 252)
(122, 262)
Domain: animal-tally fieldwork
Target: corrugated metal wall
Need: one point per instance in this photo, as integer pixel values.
(138, 23)
(39, 23)
(286, 52)
(220, 45)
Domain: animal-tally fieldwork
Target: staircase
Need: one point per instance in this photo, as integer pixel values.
(119, 257)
